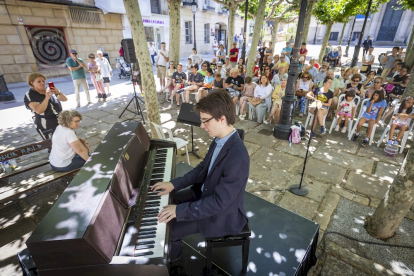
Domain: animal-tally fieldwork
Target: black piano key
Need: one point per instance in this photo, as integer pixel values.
(142, 232)
(158, 170)
(153, 204)
(140, 247)
(150, 216)
(148, 224)
(153, 197)
(145, 242)
(143, 254)
(145, 236)
(162, 154)
(151, 210)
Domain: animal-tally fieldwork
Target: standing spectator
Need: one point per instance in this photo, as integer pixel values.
(367, 44)
(291, 40)
(161, 64)
(227, 66)
(221, 42)
(367, 60)
(121, 51)
(196, 58)
(287, 50)
(44, 103)
(340, 55)
(190, 62)
(302, 53)
(95, 68)
(215, 46)
(234, 54)
(241, 40)
(106, 69)
(389, 61)
(221, 54)
(153, 52)
(68, 152)
(77, 69)
(269, 52)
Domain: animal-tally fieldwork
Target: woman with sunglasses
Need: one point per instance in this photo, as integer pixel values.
(277, 95)
(303, 87)
(355, 85)
(240, 68)
(396, 95)
(95, 68)
(370, 79)
(377, 85)
(277, 78)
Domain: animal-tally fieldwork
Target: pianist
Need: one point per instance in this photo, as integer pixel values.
(68, 151)
(209, 199)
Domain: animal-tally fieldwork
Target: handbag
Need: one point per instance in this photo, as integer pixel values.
(255, 102)
(364, 68)
(98, 77)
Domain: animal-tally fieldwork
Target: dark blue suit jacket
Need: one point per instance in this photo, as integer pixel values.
(220, 210)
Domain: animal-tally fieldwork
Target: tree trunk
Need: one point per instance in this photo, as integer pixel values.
(256, 36)
(308, 16)
(409, 55)
(175, 28)
(409, 90)
(342, 34)
(325, 41)
(141, 49)
(395, 204)
(274, 34)
(232, 15)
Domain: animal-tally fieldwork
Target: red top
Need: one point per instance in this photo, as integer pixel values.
(232, 51)
(305, 51)
(256, 69)
(121, 52)
(316, 65)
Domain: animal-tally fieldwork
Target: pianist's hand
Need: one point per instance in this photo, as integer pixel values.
(167, 213)
(166, 188)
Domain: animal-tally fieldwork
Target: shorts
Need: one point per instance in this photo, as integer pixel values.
(366, 116)
(181, 85)
(161, 70)
(401, 124)
(106, 80)
(345, 114)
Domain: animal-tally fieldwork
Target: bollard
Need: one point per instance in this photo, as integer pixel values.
(5, 94)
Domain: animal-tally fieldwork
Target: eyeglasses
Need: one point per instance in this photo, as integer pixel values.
(219, 66)
(267, 69)
(356, 80)
(77, 121)
(378, 82)
(305, 77)
(91, 57)
(204, 66)
(206, 121)
(74, 54)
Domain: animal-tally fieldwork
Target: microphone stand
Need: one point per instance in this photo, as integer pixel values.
(297, 189)
(135, 101)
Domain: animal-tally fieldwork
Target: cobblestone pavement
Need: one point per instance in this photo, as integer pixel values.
(337, 170)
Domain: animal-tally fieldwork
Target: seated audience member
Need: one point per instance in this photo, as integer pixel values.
(196, 59)
(347, 77)
(375, 107)
(277, 95)
(395, 70)
(178, 78)
(355, 85)
(314, 69)
(302, 54)
(262, 98)
(234, 85)
(396, 95)
(227, 66)
(221, 70)
(401, 119)
(283, 63)
(240, 69)
(322, 97)
(303, 87)
(204, 66)
(44, 102)
(335, 87)
(213, 64)
(369, 81)
(218, 81)
(221, 54)
(207, 86)
(333, 56)
(195, 81)
(267, 72)
(376, 86)
(248, 92)
(340, 55)
(346, 110)
(320, 76)
(398, 79)
(275, 62)
(190, 62)
(276, 80)
(68, 152)
(355, 70)
(169, 72)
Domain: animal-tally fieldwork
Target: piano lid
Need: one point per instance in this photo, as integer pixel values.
(73, 211)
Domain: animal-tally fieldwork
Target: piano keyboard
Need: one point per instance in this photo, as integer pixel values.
(150, 234)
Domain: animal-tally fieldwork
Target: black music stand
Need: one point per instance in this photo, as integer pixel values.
(188, 116)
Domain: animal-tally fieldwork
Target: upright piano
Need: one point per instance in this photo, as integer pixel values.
(105, 222)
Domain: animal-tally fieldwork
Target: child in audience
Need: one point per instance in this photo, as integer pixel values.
(372, 115)
(248, 92)
(345, 110)
(401, 119)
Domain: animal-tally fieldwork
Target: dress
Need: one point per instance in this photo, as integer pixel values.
(98, 84)
(264, 92)
(106, 69)
(48, 119)
(345, 108)
(277, 95)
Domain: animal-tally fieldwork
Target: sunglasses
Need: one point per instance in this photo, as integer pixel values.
(305, 77)
(91, 57)
(356, 80)
(377, 82)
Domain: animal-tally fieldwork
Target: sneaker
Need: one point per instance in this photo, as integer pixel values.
(344, 129)
(301, 115)
(313, 134)
(180, 90)
(364, 143)
(323, 130)
(389, 143)
(337, 128)
(395, 143)
(265, 122)
(355, 137)
(241, 117)
(169, 100)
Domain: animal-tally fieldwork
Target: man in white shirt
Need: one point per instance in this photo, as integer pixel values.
(196, 58)
(161, 64)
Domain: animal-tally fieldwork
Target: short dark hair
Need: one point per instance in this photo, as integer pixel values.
(194, 49)
(248, 80)
(350, 93)
(406, 67)
(210, 70)
(325, 80)
(193, 66)
(162, 42)
(303, 43)
(217, 103)
(396, 47)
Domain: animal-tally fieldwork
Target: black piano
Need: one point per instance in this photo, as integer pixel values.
(105, 223)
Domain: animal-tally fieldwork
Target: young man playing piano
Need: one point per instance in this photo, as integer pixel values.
(209, 199)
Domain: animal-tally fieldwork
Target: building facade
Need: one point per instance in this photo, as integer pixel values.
(389, 26)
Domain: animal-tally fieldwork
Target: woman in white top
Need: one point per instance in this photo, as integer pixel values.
(68, 152)
(170, 71)
(303, 86)
(263, 92)
(106, 69)
(153, 52)
(215, 46)
(367, 60)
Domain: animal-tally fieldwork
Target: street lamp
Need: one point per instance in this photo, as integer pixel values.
(245, 36)
(314, 38)
(194, 10)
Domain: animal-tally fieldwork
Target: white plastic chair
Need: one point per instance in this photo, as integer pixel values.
(309, 119)
(361, 112)
(404, 138)
(237, 108)
(180, 142)
(357, 100)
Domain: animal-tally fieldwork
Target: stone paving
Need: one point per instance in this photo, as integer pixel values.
(337, 170)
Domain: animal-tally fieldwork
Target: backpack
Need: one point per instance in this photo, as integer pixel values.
(302, 129)
(294, 135)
